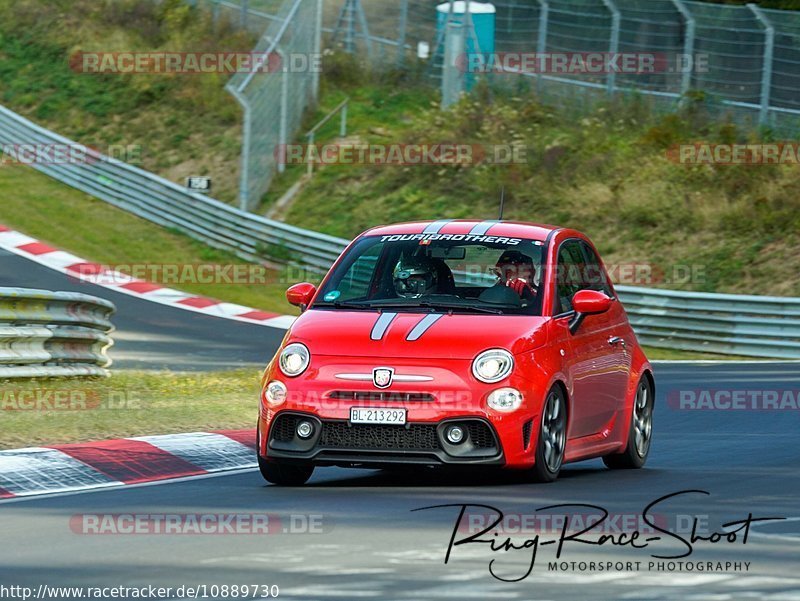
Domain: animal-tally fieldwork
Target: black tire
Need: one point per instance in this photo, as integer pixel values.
(284, 474)
(640, 433)
(552, 440)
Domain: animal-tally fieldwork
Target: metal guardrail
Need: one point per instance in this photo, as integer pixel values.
(53, 334)
(156, 199)
(730, 324)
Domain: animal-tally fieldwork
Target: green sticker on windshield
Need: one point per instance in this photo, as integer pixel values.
(332, 296)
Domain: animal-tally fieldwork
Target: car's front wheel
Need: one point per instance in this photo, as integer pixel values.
(552, 440)
(641, 431)
(284, 474)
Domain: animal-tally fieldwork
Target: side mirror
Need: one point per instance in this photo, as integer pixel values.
(300, 295)
(591, 302)
(588, 302)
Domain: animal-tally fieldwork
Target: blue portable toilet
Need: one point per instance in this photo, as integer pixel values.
(483, 20)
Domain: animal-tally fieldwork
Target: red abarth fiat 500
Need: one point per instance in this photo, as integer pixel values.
(457, 343)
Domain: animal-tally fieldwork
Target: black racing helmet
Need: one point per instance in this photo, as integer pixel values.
(415, 276)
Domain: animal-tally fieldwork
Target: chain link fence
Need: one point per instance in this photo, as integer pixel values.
(743, 60)
(275, 97)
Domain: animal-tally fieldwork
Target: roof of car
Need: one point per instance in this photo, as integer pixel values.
(490, 227)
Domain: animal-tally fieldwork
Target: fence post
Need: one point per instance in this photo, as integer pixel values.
(243, 16)
(343, 124)
(613, 42)
(452, 77)
(362, 21)
(244, 195)
(688, 43)
(401, 38)
(766, 70)
(317, 53)
(541, 45)
(284, 125)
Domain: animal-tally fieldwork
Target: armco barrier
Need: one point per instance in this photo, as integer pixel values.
(750, 326)
(53, 334)
(732, 324)
(156, 199)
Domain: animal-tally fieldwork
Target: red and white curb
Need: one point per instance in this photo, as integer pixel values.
(75, 267)
(109, 463)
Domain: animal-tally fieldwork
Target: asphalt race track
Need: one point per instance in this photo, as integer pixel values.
(153, 336)
(367, 544)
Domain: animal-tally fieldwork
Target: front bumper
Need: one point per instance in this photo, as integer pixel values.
(337, 442)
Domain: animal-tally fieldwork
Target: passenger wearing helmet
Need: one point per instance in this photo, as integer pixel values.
(415, 276)
(515, 270)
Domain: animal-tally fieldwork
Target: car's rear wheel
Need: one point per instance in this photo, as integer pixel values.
(641, 431)
(552, 439)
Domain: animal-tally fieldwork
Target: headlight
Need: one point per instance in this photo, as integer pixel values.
(505, 400)
(275, 393)
(294, 359)
(492, 366)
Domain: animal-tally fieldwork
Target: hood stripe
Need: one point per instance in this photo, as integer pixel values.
(381, 325)
(483, 227)
(422, 326)
(434, 227)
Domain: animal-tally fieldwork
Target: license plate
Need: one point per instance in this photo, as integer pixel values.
(365, 415)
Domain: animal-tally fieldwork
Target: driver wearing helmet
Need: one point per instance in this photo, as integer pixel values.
(415, 276)
(515, 270)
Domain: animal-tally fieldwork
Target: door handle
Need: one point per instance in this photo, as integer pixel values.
(615, 340)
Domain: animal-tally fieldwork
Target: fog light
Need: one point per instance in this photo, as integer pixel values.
(505, 400)
(455, 434)
(305, 429)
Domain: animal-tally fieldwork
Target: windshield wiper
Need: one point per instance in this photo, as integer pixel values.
(436, 305)
(358, 306)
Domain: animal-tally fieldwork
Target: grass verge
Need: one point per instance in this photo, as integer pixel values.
(131, 403)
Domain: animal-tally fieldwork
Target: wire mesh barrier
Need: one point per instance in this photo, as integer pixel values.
(745, 59)
(274, 94)
(53, 334)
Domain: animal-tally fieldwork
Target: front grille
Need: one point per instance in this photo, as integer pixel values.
(480, 435)
(415, 437)
(283, 427)
(387, 397)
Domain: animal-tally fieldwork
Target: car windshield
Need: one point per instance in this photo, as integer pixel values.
(459, 273)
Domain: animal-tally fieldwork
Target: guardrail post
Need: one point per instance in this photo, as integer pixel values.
(766, 70)
(688, 43)
(401, 38)
(613, 42)
(541, 45)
